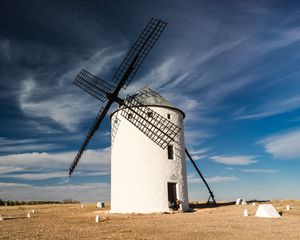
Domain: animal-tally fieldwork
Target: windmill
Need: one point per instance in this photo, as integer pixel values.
(156, 127)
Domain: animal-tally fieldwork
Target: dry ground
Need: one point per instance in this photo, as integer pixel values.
(223, 222)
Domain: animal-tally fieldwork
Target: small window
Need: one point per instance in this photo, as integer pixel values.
(150, 114)
(169, 116)
(129, 115)
(170, 152)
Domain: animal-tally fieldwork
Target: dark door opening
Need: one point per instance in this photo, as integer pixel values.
(172, 194)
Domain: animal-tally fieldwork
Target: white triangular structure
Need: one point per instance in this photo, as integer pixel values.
(240, 201)
(100, 205)
(244, 202)
(267, 211)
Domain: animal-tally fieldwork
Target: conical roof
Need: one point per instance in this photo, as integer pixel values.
(148, 97)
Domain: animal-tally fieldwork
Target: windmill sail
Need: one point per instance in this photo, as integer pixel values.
(159, 129)
(139, 51)
(88, 137)
(94, 86)
(109, 91)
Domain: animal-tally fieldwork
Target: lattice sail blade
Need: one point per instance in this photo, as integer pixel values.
(101, 114)
(139, 51)
(93, 85)
(153, 125)
(109, 91)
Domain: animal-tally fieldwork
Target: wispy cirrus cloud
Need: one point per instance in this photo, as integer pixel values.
(215, 179)
(63, 104)
(47, 166)
(43, 128)
(9, 169)
(100, 63)
(86, 192)
(258, 170)
(158, 76)
(284, 145)
(213, 85)
(235, 160)
(222, 179)
(285, 37)
(33, 145)
(273, 108)
(196, 136)
(23, 145)
(6, 141)
(40, 175)
(91, 160)
(176, 76)
(37, 176)
(66, 110)
(30, 147)
(198, 153)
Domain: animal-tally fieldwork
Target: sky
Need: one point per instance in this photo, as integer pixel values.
(232, 67)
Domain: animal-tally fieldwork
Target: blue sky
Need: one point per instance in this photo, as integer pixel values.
(232, 67)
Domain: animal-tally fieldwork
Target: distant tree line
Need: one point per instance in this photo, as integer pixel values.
(15, 202)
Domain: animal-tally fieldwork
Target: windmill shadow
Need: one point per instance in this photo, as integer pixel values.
(195, 206)
(203, 205)
(5, 218)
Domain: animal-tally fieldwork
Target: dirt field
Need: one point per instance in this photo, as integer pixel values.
(223, 222)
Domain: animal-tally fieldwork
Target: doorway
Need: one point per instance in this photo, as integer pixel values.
(172, 193)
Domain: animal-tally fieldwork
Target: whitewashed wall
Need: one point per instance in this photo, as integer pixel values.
(140, 169)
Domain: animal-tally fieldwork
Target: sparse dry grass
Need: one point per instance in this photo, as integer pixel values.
(72, 222)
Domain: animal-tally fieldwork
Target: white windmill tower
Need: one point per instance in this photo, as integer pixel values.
(144, 176)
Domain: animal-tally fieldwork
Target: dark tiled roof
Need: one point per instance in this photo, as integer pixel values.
(148, 97)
